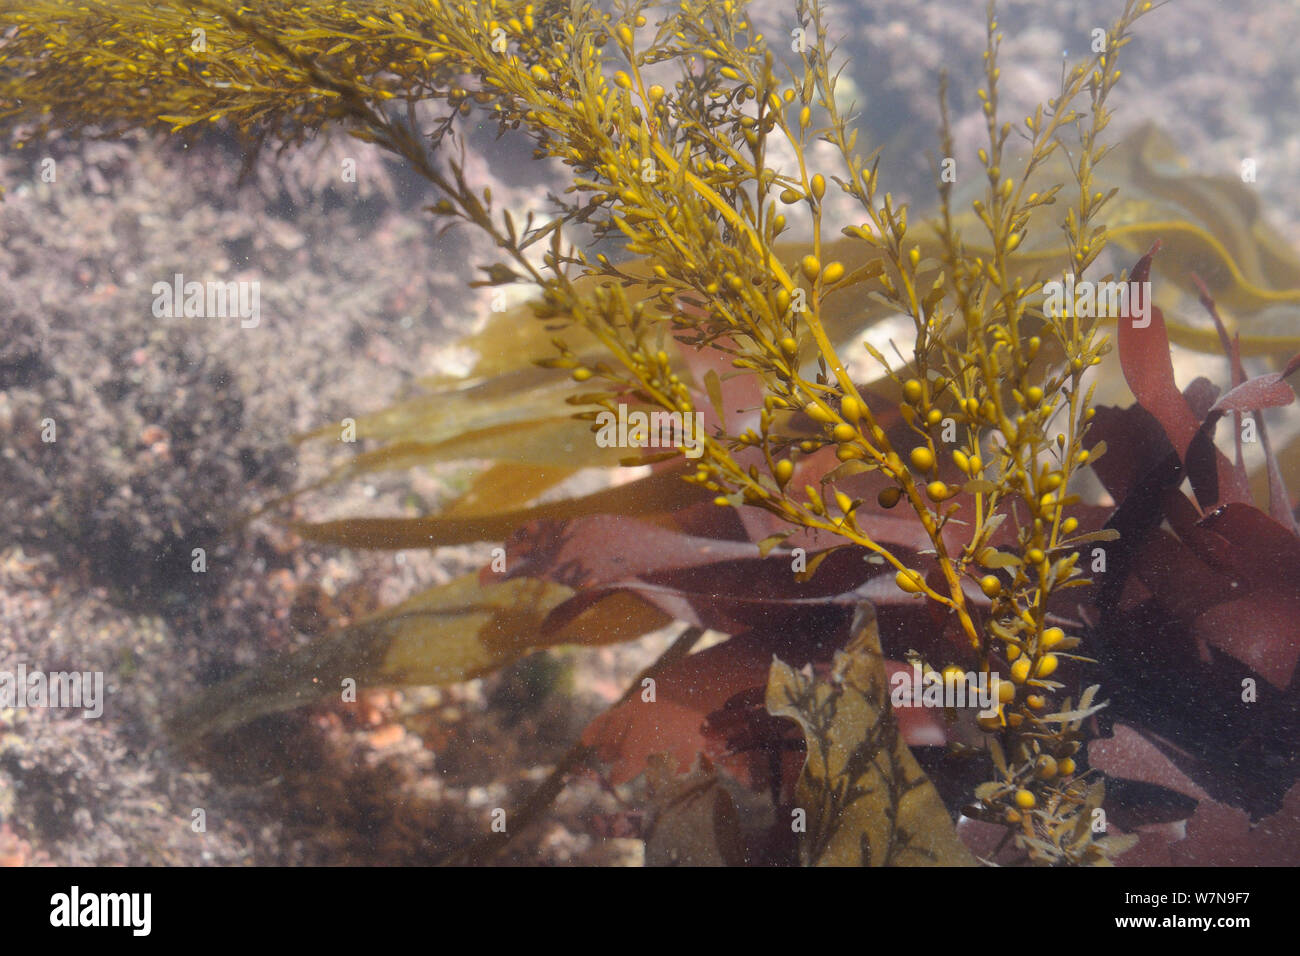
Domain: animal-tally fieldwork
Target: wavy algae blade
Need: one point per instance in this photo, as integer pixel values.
(451, 633)
(660, 493)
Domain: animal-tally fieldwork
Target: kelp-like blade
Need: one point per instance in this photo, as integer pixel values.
(535, 441)
(505, 487)
(450, 633)
(655, 494)
(868, 802)
(527, 393)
